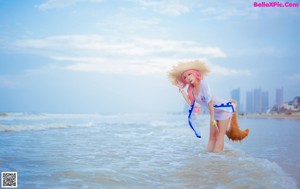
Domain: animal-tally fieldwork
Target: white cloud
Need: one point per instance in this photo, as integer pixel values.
(130, 68)
(167, 7)
(54, 4)
(295, 77)
(219, 10)
(119, 66)
(257, 51)
(96, 44)
(140, 67)
(228, 72)
(7, 83)
(95, 53)
(123, 25)
(214, 10)
(222, 13)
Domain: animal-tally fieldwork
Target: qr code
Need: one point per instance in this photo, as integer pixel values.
(9, 179)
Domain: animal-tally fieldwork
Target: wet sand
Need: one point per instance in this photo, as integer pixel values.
(274, 115)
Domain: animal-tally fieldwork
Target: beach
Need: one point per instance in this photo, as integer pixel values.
(144, 151)
(275, 115)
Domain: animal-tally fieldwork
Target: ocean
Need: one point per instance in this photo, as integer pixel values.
(145, 151)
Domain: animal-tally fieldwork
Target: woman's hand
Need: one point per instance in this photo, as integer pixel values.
(180, 85)
(214, 124)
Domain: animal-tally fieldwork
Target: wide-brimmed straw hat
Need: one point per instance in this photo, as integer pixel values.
(175, 74)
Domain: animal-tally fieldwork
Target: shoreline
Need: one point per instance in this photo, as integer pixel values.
(257, 115)
(274, 115)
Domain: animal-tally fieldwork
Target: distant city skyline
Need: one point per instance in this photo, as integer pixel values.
(257, 100)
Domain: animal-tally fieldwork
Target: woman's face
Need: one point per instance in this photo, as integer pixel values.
(189, 78)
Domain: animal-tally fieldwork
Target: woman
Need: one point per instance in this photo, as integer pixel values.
(223, 114)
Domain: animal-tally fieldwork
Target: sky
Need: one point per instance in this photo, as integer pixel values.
(109, 56)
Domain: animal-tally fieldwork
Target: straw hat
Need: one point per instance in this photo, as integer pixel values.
(175, 74)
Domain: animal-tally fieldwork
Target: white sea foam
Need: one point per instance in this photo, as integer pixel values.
(35, 127)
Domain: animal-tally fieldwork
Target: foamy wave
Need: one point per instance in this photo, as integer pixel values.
(11, 122)
(115, 118)
(36, 127)
(44, 116)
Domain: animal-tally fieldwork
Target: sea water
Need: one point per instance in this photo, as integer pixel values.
(139, 151)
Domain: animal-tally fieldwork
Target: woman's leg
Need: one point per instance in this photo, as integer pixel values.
(212, 138)
(222, 125)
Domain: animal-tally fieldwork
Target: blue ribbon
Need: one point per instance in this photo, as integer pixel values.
(229, 104)
(189, 120)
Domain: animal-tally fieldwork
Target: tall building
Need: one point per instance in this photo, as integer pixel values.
(279, 96)
(249, 102)
(265, 101)
(235, 95)
(257, 100)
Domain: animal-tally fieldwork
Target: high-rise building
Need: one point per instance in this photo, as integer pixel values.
(265, 101)
(257, 100)
(279, 96)
(249, 102)
(235, 95)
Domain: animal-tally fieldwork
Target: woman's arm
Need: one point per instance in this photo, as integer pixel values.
(211, 110)
(184, 94)
(212, 114)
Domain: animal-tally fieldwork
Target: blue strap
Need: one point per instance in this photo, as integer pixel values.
(228, 104)
(189, 119)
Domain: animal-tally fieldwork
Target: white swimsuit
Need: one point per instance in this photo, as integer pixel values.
(223, 109)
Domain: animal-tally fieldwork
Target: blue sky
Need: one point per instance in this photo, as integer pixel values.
(100, 56)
